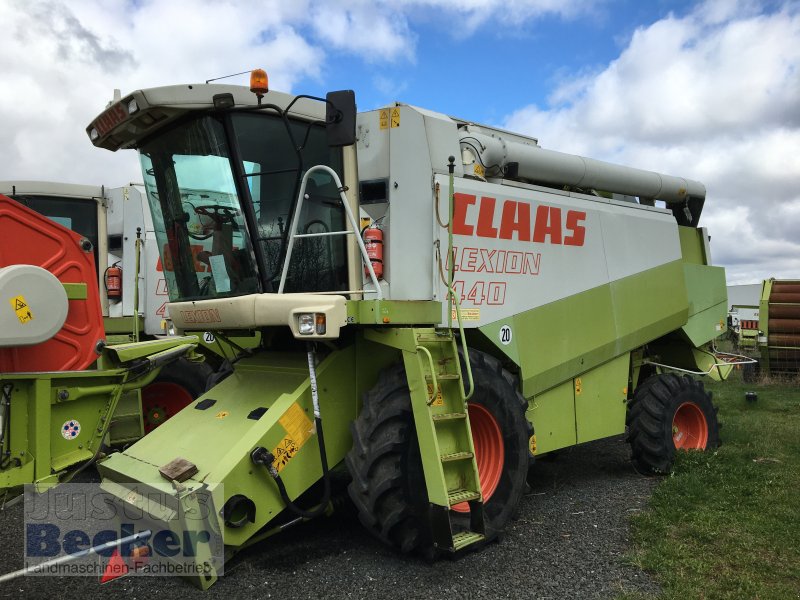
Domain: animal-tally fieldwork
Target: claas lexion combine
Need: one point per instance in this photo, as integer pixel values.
(439, 303)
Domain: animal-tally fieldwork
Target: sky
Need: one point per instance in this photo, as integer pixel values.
(707, 90)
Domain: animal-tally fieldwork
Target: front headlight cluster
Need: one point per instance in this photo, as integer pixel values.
(311, 323)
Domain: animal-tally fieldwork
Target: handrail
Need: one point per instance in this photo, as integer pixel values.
(350, 218)
(435, 382)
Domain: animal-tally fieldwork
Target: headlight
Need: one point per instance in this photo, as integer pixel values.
(93, 135)
(320, 323)
(132, 106)
(305, 323)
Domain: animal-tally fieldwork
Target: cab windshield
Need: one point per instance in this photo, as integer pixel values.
(213, 234)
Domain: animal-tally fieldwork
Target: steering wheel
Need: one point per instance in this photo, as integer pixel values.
(216, 212)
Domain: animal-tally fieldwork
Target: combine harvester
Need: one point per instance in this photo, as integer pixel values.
(117, 223)
(61, 386)
(428, 291)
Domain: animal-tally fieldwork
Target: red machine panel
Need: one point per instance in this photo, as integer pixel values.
(26, 237)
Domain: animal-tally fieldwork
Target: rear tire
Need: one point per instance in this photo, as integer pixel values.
(670, 413)
(388, 486)
(177, 385)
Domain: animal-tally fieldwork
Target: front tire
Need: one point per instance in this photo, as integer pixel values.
(388, 486)
(670, 413)
(176, 386)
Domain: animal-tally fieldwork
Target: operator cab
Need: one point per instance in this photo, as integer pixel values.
(222, 172)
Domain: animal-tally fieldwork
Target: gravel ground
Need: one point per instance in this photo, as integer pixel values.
(567, 543)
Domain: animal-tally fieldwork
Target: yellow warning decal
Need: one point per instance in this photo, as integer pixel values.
(468, 314)
(383, 116)
(439, 399)
(222, 414)
(578, 386)
(298, 430)
(395, 119)
(21, 308)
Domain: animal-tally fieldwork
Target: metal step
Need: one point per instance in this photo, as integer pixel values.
(443, 377)
(466, 538)
(456, 456)
(458, 496)
(432, 337)
(448, 417)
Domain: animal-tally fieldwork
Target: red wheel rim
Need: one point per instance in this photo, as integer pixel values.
(489, 451)
(162, 400)
(689, 428)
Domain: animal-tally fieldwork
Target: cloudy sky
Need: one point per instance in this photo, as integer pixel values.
(706, 90)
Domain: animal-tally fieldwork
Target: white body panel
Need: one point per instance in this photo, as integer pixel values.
(498, 278)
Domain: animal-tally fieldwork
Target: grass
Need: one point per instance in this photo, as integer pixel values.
(726, 524)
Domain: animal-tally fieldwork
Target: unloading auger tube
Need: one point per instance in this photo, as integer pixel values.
(557, 168)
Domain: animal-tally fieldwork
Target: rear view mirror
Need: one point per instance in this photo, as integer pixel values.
(341, 118)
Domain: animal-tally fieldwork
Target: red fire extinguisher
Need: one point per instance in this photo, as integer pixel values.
(373, 242)
(114, 282)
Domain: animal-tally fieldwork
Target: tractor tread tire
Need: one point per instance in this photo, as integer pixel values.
(650, 419)
(388, 487)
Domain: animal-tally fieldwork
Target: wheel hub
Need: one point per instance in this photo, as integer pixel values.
(487, 438)
(689, 428)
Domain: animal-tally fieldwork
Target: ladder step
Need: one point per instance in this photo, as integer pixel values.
(459, 496)
(443, 376)
(466, 538)
(448, 417)
(432, 337)
(456, 456)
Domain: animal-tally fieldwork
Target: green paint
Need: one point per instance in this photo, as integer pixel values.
(588, 407)
(601, 400)
(692, 245)
(75, 291)
(219, 439)
(708, 303)
(432, 365)
(126, 423)
(553, 416)
(43, 403)
(123, 353)
(118, 325)
(560, 340)
(393, 312)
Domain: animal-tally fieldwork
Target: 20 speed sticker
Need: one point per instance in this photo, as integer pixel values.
(505, 335)
(71, 429)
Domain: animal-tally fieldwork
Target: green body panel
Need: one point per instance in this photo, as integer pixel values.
(708, 303)
(558, 341)
(219, 439)
(124, 353)
(692, 247)
(43, 403)
(601, 400)
(126, 423)
(118, 326)
(588, 407)
(747, 338)
(394, 312)
(222, 348)
(86, 402)
(552, 414)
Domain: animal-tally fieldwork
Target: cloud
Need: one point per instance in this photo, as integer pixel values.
(713, 95)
